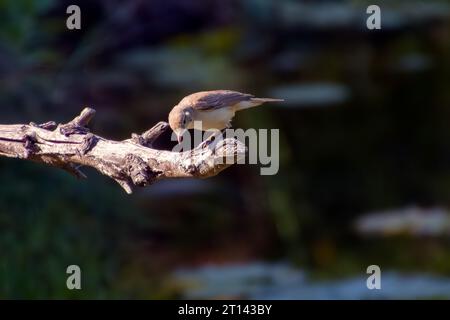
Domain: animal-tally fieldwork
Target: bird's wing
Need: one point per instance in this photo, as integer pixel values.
(218, 99)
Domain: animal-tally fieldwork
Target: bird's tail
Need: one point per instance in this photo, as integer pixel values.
(262, 100)
(254, 102)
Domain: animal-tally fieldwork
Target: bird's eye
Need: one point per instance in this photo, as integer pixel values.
(185, 118)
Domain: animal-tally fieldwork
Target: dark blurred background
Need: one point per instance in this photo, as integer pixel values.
(364, 150)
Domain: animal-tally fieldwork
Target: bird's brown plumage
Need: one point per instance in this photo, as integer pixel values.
(209, 100)
(214, 108)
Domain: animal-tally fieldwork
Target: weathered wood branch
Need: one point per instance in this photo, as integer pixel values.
(132, 162)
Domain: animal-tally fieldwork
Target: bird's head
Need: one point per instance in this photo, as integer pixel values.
(181, 119)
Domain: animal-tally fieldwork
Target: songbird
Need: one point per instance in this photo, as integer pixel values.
(215, 109)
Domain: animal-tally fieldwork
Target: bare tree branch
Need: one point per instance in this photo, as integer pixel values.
(132, 162)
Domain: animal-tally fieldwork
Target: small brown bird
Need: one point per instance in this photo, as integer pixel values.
(215, 109)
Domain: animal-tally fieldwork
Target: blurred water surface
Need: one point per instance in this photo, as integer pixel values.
(281, 281)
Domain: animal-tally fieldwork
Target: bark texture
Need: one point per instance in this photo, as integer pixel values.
(132, 162)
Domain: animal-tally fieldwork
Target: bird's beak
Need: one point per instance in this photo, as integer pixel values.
(180, 134)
